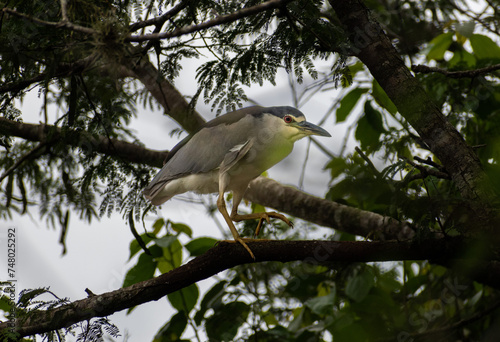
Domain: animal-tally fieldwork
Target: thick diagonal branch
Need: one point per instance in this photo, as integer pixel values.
(227, 255)
(172, 101)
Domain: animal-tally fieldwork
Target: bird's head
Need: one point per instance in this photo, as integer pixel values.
(291, 123)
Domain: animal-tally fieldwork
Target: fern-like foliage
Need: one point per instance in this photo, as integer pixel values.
(95, 330)
(29, 302)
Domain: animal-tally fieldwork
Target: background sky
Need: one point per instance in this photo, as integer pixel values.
(97, 254)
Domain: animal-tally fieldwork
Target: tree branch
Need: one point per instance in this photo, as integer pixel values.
(424, 69)
(112, 147)
(18, 162)
(226, 255)
(223, 19)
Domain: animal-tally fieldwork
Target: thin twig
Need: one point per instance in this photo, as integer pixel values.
(428, 161)
(322, 148)
(159, 21)
(476, 17)
(303, 171)
(21, 160)
(411, 177)
(60, 24)
(428, 171)
(369, 162)
(424, 69)
(223, 19)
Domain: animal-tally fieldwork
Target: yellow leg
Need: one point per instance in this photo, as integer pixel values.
(261, 216)
(221, 205)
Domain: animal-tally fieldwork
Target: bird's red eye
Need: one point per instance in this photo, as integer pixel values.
(288, 119)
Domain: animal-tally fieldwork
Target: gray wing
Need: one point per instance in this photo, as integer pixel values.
(203, 152)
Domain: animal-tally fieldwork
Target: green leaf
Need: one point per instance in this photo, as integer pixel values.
(337, 166)
(414, 283)
(466, 28)
(269, 318)
(185, 299)
(376, 303)
(5, 304)
(166, 241)
(172, 254)
(382, 99)
(351, 333)
(301, 318)
(181, 228)
(358, 287)
(200, 245)
(484, 47)
(27, 296)
(374, 118)
(356, 67)
(388, 282)
(463, 59)
(322, 305)
(439, 45)
(369, 127)
(225, 322)
(143, 270)
(158, 225)
(348, 102)
(173, 329)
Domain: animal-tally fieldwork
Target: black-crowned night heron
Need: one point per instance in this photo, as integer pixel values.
(229, 152)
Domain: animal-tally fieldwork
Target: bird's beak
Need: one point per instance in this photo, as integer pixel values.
(311, 129)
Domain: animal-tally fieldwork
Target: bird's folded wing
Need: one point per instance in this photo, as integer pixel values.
(234, 155)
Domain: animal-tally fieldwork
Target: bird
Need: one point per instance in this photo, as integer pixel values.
(227, 153)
